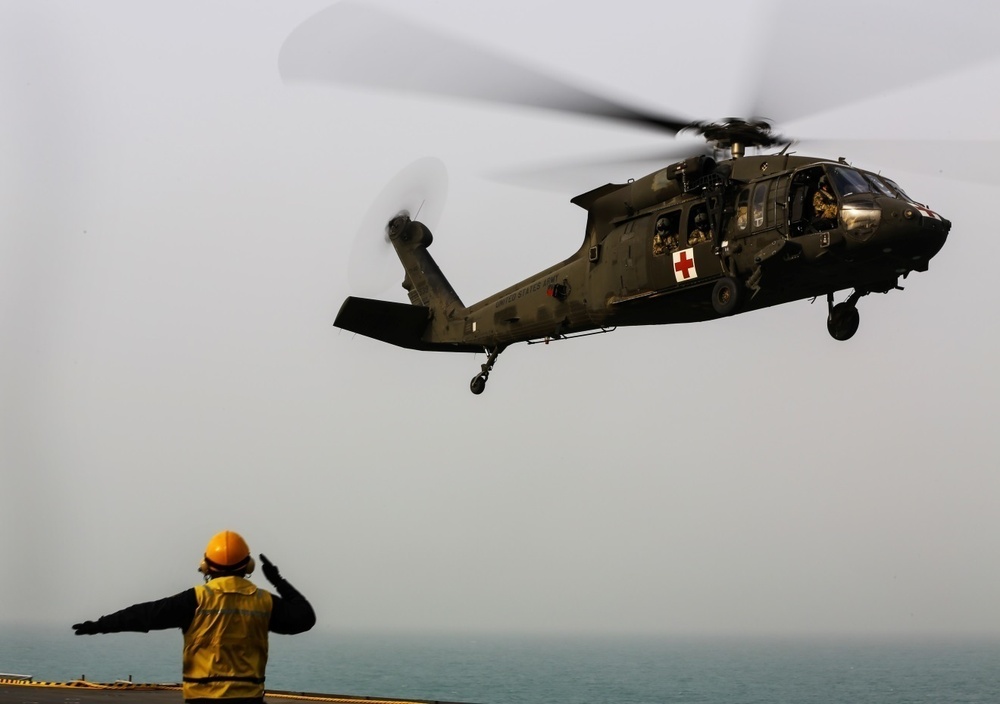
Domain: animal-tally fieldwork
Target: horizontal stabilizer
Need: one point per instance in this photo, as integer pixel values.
(399, 324)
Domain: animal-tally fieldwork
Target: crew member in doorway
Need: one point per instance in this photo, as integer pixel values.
(824, 205)
(225, 622)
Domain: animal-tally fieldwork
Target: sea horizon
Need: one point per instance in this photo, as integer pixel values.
(527, 667)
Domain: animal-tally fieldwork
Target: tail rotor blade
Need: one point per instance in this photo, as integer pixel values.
(418, 190)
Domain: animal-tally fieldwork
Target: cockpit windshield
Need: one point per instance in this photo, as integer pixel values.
(849, 181)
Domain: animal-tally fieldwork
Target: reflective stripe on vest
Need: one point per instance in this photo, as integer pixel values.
(225, 647)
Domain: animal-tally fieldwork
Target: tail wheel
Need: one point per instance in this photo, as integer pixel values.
(843, 321)
(727, 296)
(478, 384)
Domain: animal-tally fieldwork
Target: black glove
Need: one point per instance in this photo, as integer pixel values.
(270, 571)
(87, 628)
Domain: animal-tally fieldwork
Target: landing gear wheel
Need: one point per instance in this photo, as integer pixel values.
(843, 321)
(478, 384)
(727, 295)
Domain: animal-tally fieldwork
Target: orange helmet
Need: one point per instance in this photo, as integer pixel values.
(227, 553)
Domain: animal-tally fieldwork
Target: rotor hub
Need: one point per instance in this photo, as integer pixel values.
(736, 134)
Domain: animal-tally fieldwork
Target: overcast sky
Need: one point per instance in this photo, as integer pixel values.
(175, 231)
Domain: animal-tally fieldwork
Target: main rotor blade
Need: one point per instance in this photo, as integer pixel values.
(359, 45)
(820, 57)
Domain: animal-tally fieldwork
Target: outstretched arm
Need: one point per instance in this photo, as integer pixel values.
(172, 612)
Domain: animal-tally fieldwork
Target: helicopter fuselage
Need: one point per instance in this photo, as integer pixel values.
(692, 242)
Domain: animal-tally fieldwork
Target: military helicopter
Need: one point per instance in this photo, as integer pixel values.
(715, 234)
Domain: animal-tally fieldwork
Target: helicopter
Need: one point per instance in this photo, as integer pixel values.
(712, 235)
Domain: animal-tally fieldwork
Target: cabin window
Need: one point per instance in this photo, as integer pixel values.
(759, 212)
(665, 233)
(698, 229)
(743, 210)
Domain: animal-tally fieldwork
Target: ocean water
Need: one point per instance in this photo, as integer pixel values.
(507, 669)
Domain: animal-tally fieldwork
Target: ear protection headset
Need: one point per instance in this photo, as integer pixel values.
(207, 567)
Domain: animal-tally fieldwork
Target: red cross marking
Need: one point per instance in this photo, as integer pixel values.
(684, 264)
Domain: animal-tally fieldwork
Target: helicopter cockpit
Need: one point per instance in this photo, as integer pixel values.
(826, 196)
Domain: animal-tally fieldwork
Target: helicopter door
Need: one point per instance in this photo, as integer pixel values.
(630, 255)
(803, 201)
(780, 196)
(765, 213)
(798, 206)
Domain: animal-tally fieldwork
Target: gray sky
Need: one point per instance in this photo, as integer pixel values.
(174, 241)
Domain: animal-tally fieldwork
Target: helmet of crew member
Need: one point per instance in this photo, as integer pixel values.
(227, 553)
(701, 219)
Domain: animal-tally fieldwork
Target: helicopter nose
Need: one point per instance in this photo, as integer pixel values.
(913, 236)
(931, 225)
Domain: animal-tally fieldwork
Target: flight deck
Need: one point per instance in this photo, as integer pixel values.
(25, 690)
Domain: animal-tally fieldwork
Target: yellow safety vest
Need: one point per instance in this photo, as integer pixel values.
(225, 647)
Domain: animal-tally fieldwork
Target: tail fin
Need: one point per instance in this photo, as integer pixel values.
(424, 282)
(435, 318)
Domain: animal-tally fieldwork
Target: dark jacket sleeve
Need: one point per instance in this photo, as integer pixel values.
(290, 612)
(175, 611)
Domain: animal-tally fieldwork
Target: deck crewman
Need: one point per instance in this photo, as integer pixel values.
(225, 622)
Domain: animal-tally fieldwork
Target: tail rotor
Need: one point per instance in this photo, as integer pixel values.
(417, 191)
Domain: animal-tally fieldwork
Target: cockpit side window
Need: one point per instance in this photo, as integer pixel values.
(895, 186)
(880, 185)
(848, 182)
